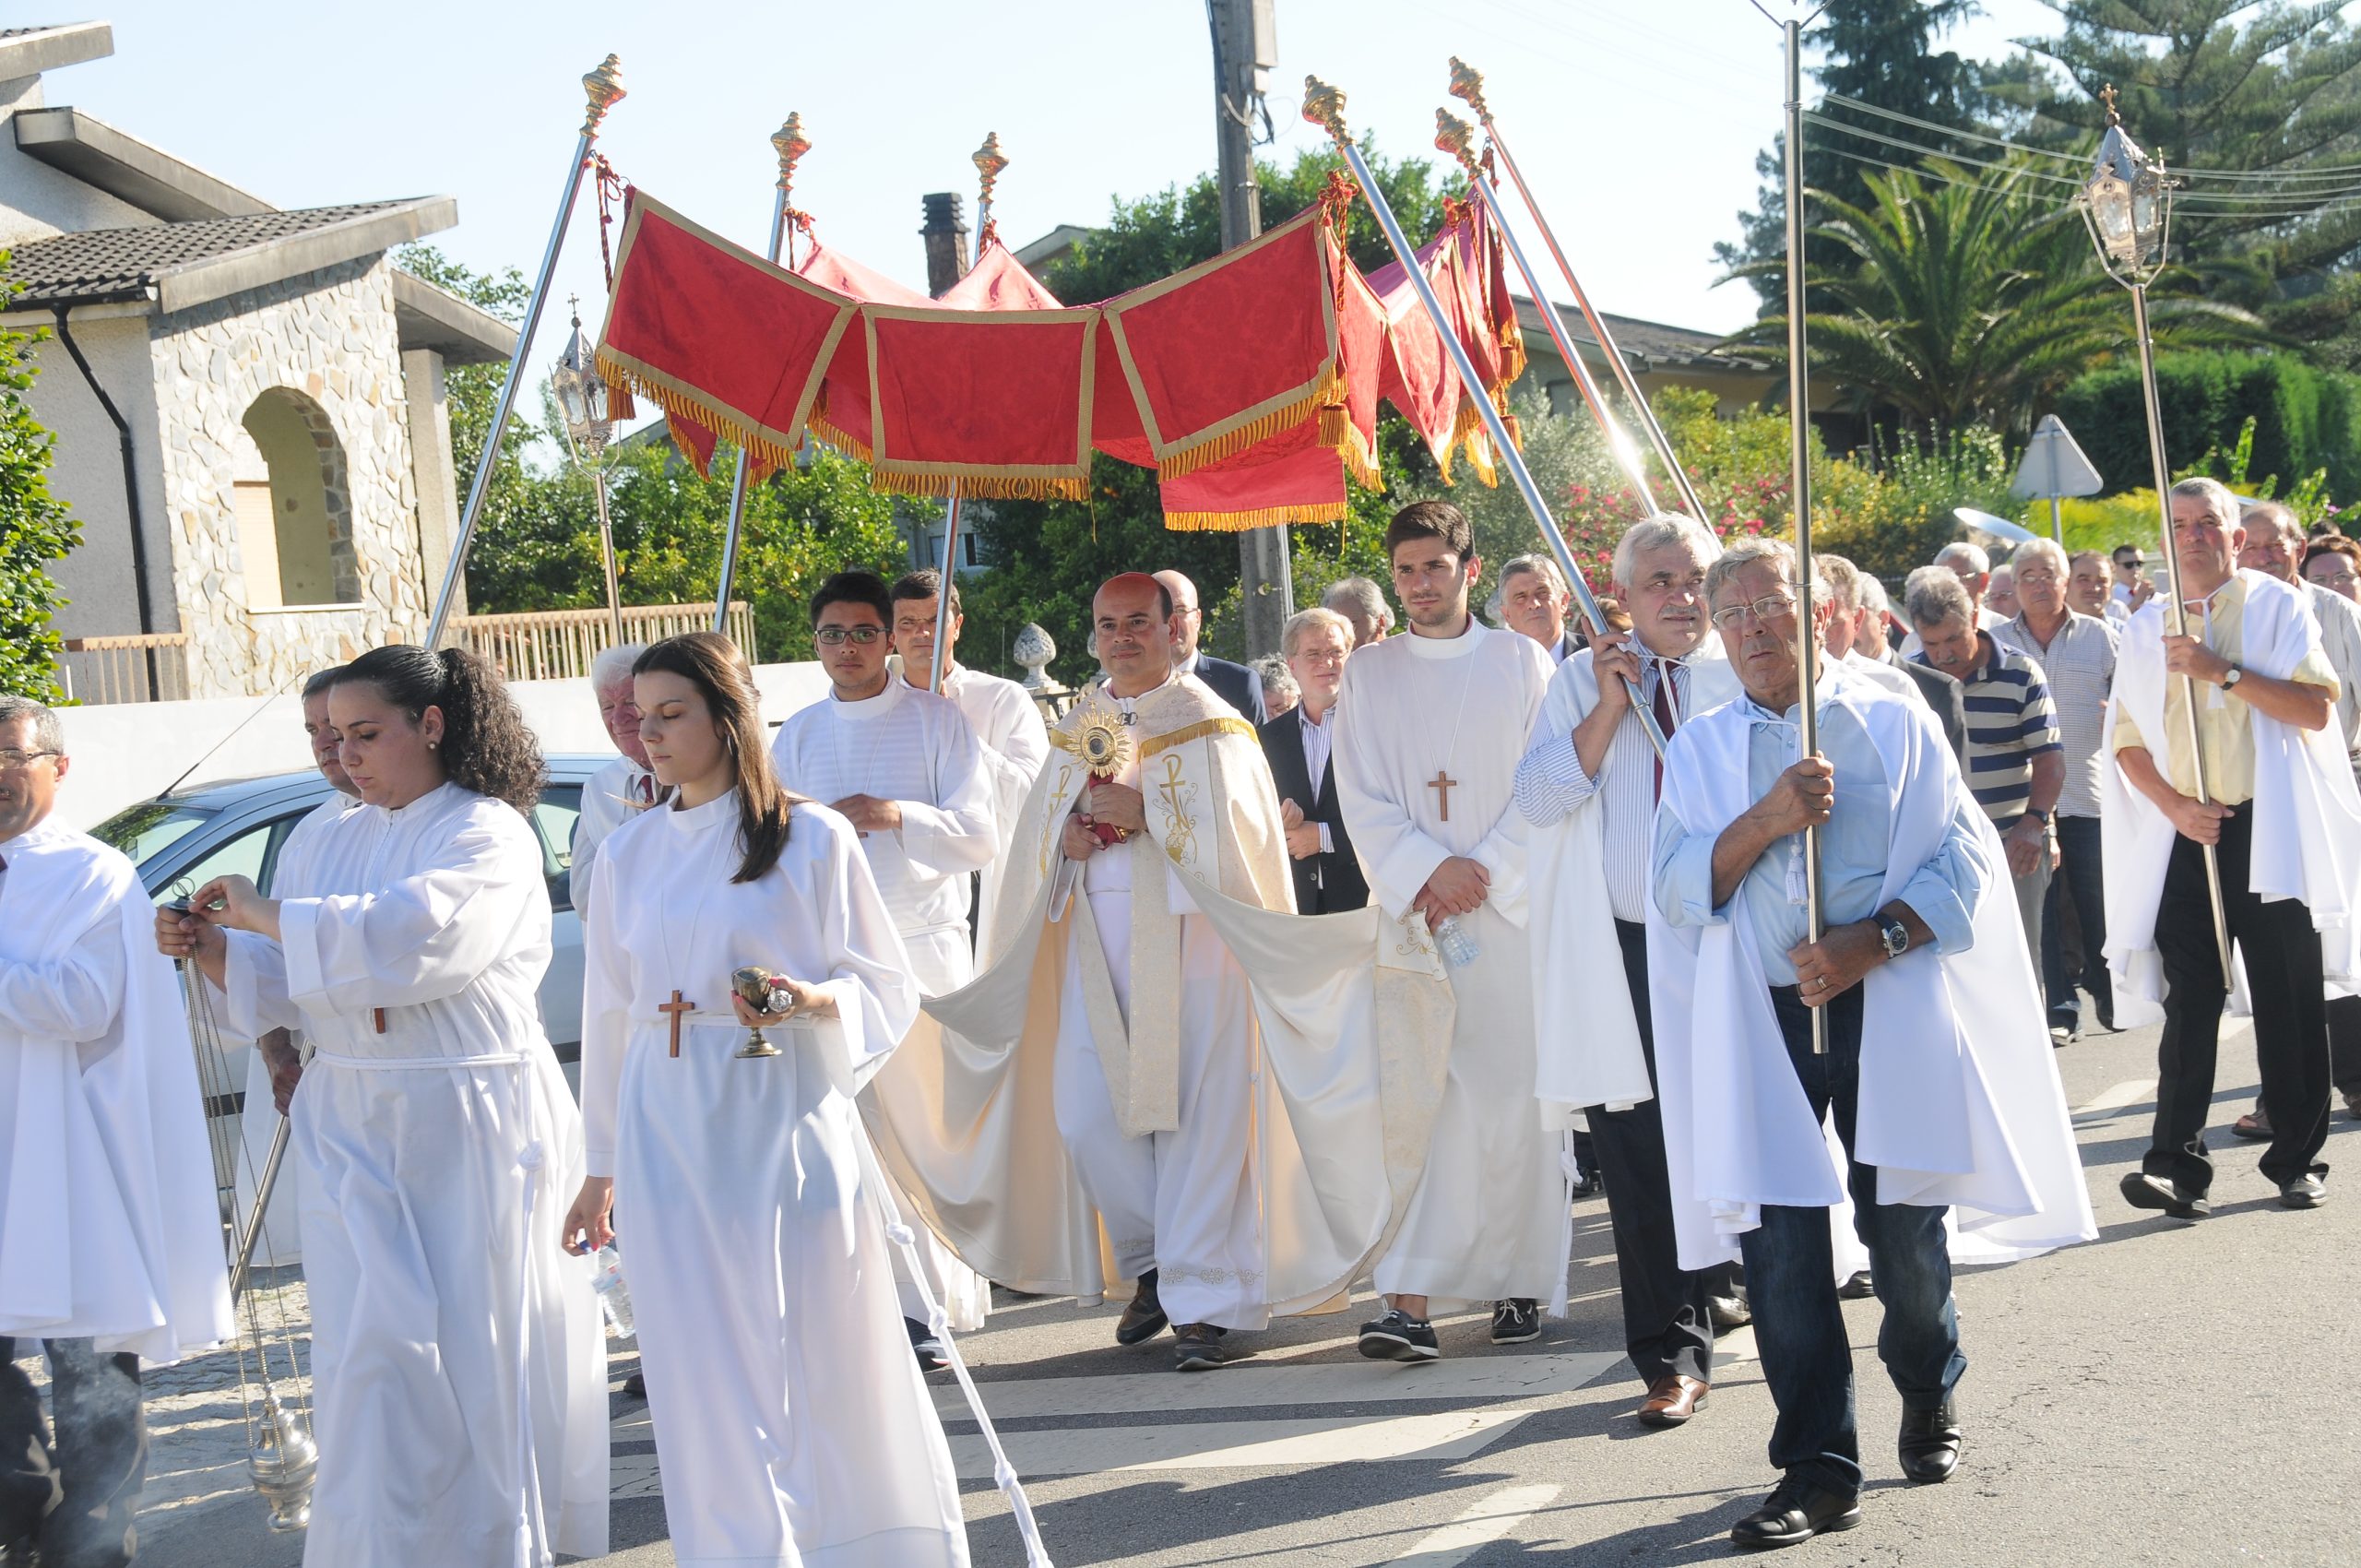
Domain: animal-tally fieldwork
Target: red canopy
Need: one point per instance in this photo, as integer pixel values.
(1250, 382)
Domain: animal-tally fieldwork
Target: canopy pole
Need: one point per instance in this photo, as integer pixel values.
(1454, 135)
(1800, 465)
(604, 86)
(1324, 106)
(792, 144)
(1468, 84)
(941, 665)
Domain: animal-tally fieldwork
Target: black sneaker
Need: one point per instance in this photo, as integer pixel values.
(1198, 1347)
(1398, 1337)
(1794, 1512)
(2144, 1190)
(926, 1346)
(1144, 1319)
(1516, 1321)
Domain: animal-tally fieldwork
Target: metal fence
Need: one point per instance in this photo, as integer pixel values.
(549, 644)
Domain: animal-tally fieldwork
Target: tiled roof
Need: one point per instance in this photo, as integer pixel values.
(1656, 342)
(118, 264)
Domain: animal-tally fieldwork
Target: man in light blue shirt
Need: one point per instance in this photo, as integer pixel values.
(1751, 871)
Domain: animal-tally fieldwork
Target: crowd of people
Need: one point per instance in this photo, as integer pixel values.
(1236, 988)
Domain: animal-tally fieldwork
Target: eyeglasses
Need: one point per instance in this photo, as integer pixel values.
(11, 759)
(1774, 607)
(837, 636)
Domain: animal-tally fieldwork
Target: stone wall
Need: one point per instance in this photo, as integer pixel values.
(328, 337)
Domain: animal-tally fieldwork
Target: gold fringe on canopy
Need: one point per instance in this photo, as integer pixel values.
(1304, 405)
(939, 482)
(1270, 518)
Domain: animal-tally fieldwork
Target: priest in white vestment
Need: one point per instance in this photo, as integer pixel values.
(110, 1240)
(904, 767)
(2284, 821)
(1430, 730)
(1007, 721)
(1588, 787)
(624, 786)
(1936, 1065)
(458, 1391)
(791, 1423)
(1246, 1149)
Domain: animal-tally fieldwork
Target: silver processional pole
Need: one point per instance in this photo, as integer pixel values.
(1324, 106)
(605, 86)
(792, 144)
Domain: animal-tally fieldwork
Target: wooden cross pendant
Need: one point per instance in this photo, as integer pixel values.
(676, 1007)
(377, 1017)
(1441, 785)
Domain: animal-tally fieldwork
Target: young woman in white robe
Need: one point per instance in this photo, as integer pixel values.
(791, 1423)
(458, 1391)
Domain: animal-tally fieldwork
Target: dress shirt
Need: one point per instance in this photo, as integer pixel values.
(2079, 665)
(1550, 783)
(1318, 740)
(2222, 717)
(1851, 850)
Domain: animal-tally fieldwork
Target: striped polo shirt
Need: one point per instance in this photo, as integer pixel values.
(2011, 721)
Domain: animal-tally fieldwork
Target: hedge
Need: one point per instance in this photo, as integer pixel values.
(2305, 418)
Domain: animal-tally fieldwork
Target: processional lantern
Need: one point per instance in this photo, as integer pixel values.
(581, 395)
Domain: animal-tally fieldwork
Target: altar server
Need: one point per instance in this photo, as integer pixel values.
(110, 1243)
(904, 769)
(457, 1396)
(791, 1423)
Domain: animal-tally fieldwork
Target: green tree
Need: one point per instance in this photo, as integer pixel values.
(1962, 302)
(1877, 53)
(35, 526)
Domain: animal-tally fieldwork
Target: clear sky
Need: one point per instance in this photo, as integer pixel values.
(1637, 121)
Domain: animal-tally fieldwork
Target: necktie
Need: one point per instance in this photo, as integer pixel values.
(645, 784)
(1664, 720)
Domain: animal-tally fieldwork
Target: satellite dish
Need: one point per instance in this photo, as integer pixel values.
(1983, 526)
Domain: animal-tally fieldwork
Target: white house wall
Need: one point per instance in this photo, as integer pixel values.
(86, 473)
(330, 337)
(37, 201)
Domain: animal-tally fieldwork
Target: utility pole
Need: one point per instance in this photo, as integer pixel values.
(1245, 35)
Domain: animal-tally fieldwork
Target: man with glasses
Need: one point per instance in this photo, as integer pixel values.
(1912, 1068)
(2132, 584)
(1234, 683)
(905, 768)
(2076, 653)
(625, 785)
(1298, 745)
(107, 1210)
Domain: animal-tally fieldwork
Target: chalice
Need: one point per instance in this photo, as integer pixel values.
(764, 992)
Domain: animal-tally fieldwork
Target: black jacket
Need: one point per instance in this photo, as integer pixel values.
(1949, 699)
(1235, 685)
(1326, 882)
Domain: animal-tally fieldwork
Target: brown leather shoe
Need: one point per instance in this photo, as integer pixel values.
(1671, 1400)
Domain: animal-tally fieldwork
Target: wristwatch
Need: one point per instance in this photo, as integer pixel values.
(2038, 815)
(1896, 934)
(2232, 676)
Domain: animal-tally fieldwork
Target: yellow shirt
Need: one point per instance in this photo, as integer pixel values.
(2222, 717)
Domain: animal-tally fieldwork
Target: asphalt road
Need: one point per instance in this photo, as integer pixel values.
(2139, 1400)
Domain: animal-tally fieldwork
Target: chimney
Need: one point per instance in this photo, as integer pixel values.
(947, 242)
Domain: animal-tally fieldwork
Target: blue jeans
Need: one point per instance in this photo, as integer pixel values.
(1791, 1278)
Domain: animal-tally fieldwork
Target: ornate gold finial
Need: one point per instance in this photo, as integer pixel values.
(989, 163)
(1324, 107)
(791, 144)
(1456, 136)
(605, 89)
(1467, 84)
(2106, 95)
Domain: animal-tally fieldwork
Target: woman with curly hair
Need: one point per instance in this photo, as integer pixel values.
(458, 1391)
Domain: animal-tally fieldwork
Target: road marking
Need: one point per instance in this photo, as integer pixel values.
(2131, 1091)
(1250, 1387)
(1485, 1523)
(1222, 1445)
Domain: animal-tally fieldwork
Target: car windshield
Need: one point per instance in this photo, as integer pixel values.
(145, 831)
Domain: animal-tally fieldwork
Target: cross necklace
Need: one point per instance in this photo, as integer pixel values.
(1442, 783)
(673, 1009)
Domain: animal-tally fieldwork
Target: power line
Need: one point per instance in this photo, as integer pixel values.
(2017, 169)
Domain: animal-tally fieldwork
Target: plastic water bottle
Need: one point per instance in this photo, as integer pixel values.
(615, 1296)
(1458, 949)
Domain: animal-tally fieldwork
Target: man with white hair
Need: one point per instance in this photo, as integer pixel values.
(2015, 763)
(1858, 623)
(2001, 594)
(1973, 569)
(1941, 1083)
(1362, 602)
(623, 785)
(2076, 654)
(1588, 786)
(1298, 744)
(107, 1215)
(1534, 600)
(2274, 546)
(2283, 820)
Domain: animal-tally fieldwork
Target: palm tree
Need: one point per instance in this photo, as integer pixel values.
(1970, 300)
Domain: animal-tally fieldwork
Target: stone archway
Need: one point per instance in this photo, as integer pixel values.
(294, 515)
